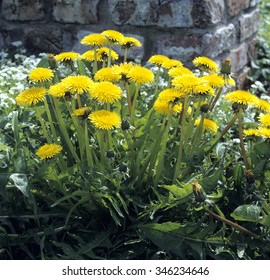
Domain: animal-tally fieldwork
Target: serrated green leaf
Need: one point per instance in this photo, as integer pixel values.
(250, 213)
(21, 182)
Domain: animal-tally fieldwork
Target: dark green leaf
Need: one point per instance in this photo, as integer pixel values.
(250, 213)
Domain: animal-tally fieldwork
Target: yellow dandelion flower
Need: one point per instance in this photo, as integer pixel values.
(58, 90)
(158, 59)
(77, 84)
(94, 39)
(171, 63)
(82, 112)
(264, 132)
(170, 95)
(48, 151)
(265, 120)
(103, 54)
(104, 119)
(66, 56)
(179, 71)
(122, 69)
(187, 83)
(140, 75)
(241, 97)
(214, 80)
(164, 107)
(203, 89)
(228, 80)
(251, 132)
(90, 56)
(107, 74)
(31, 96)
(40, 75)
(205, 64)
(263, 105)
(128, 42)
(106, 92)
(207, 125)
(113, 36)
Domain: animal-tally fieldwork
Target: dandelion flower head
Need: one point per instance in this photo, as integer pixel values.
(105, 92)
(90, 56)
(158, 59)
(251, 132)
(242, 97)
(66, 56)
(94, 39)
(31, 96)
(179, 71)
(82, 112)
(103, 54)
(208, 125)
(58, 90)
(263, 105)
(140, 75)
(40, 74)
(171, 63)
(48, 151)
(264, 132)
(113, 36)
(77, 84)
(104, 119)
(214, 80)
(108, 74)
(128, 42)
(265, 120)
(205, 64)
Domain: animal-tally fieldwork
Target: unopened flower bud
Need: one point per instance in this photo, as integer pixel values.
(199, 194)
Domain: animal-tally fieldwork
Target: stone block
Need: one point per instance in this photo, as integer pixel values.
(75, 11)
(22, 10)
(44, 40)
(235, 6)
(181, 47)
(242, 78)
(208, 12)
(239, 58)
(252, 48)
(253, 3)
(164, 13)
(221, 41)
(249, 24)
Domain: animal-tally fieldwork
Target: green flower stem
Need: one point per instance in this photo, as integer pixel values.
(79, 129)
(230, 223)
(128, 98)
(89, 156)
(198, 133)
(125, 54)
(154, 152)
(44, 129)
(157, 80)
(241, 138)
(109, 137)
(134, 102)
(213, 103)
(110, 55)
(221, 134)
(100, 139)
(160, 165)
(95, 60)
(63, 130)
(48, 112)
(182, 121)
(79, 101)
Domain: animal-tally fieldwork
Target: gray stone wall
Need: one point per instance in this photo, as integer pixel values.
(181, 29)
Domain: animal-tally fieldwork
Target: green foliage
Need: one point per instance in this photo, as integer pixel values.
(157, 187)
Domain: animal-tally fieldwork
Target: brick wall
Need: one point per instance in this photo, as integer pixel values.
(181, 29)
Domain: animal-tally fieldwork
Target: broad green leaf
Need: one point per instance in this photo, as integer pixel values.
(4, 147)
(179, 192)
(265, 221)
(250, 213)
(262, 148)
(238, 174)
(44, 62)
(21, 182)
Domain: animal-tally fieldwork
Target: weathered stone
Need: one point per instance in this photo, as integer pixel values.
(249, 24)
(164, 13)
(207, 12)
(241, 79)
(253, 3)
(182, 47)
(219, 42)
(44, 40)
(22, 10)
(75, 11)
(239, 58)
(235, 6)
(252, 48)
